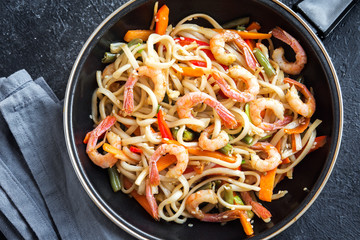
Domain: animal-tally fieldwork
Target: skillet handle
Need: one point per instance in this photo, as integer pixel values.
(324, 15)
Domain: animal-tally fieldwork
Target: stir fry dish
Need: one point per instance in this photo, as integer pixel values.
(198, 122)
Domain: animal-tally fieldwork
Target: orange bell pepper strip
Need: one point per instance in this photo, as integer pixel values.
(133, 34)
(247, 35)
(303, 124)
(267, 185)
(199, 152)
(162, 20)
(254, 26)
(318, 143)
(192, 72)
(165, 161)
(246, 224)
(141, 199)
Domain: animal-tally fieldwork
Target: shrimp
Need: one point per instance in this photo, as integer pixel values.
(156, 76)
(278, 55)
(213, 144)
(233, 93)
(114, 139)
(182, 157)
(257, 208)
(306, 109)
(107, 160)
(186, 102)
(260, 104)
(109, 70)
(217, 47)
(270, 162)
(195, 199)
(151, 200)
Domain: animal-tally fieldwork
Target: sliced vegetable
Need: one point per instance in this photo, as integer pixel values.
(162, 20)
(247, 35)
(303, 124)
(251, 43)
(267, 185)
(247, 110)
(318, 143)
(229, 196)
(227, 149)
(135, 42)
(141, 199)
(165, 162)
(134, 34)
(114, 179)
(135, 149)
(238, 201)
(241, 28)
(192, 72)
(183, 41)
(187, 135)
(108, 57)
(199, 168)
(248, 139)
(163, 127)
(236, 22)
(244, 217)
(198, 63)
(199, 152)
(116, 47)
(253, 26)
(264, 62)
(266, 137)
(111, 149)
(286, 160)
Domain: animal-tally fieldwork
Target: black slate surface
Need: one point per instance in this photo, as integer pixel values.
(44, 37)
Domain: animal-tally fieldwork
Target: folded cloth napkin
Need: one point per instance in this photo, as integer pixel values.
(40, 195)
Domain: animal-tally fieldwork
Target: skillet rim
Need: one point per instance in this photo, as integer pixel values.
(92, 193)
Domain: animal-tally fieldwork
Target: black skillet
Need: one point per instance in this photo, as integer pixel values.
(319, 73)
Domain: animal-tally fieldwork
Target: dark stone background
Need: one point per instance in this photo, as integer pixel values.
(44, 37)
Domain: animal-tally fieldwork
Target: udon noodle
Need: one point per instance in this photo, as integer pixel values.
(199, 115)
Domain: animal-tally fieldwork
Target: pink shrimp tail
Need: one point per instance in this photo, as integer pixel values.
(222, 217)
(257, 208)
(103, 126)
(276, 125)
(227, 117)
(128, 100)
(154, 174)
(152, 201)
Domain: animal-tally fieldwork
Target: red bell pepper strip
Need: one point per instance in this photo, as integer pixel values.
(135, 149)
(162, 20)
(183, 41)
(163, 127)
(198, 63)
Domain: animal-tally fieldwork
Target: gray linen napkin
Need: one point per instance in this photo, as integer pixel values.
(40, 195)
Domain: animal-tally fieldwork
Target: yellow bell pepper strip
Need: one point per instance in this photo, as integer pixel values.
(162, 20)
(247, 35)
(267, 185)
(163, 127)
(134, 34)
(141, 199)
